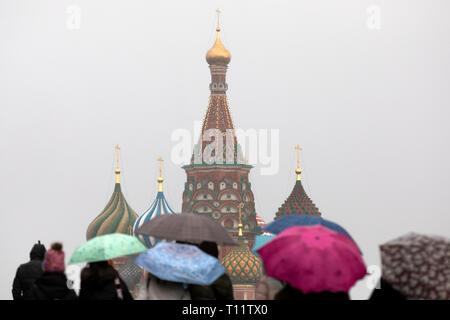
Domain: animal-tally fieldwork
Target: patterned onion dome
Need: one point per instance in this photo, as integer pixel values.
(298, 201)
(117, 217)
(242, 265)
(158, 207)
(131, 273)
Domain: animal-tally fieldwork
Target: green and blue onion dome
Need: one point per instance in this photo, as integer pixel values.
(159, 207)
(116, 217)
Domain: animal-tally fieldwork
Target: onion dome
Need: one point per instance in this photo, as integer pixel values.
(158, 207)
(117, 216)
(298, 201)
(218, 55)
(131, 273)
(241, 264)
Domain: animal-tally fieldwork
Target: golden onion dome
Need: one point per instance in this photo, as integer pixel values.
(218, 55)
(242, 265)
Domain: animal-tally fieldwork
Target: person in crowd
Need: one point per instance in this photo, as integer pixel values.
(221, 289)
(386, 292)
(158, 289)
(27, 273)
(290, 293)
(100, 281)
(267, 287)
(52, 284)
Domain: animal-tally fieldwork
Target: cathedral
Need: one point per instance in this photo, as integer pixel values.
(217, 185)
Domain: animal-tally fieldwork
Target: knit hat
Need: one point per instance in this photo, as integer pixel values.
(37, 252)
(54, 259)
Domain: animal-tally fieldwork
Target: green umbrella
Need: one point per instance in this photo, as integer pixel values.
(107, 247)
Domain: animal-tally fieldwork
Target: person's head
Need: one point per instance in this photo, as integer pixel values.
(101, 264)
(37, 252)
(210, 248)
(54, 259)
(99, 270)
(290, 293)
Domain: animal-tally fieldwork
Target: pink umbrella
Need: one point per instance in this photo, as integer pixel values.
(313, 259)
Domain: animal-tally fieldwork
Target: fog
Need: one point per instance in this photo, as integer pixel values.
(368, 103)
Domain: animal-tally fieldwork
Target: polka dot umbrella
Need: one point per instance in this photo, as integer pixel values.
(107, 247)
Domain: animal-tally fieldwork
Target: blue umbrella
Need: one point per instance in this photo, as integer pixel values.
(288, 221)
(261, 241)
(180, 263)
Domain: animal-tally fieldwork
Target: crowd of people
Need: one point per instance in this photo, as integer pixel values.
(43, 278)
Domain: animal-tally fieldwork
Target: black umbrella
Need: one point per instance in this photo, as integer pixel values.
(186, 227)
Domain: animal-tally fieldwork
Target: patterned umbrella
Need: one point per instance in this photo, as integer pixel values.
(107, 247)
(181, 263)
(313, 259)
(418, 266)
(186, 227)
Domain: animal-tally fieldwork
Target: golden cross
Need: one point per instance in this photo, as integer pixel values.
(117, 155)
(160, 164)
(218, 16)
(297, 147)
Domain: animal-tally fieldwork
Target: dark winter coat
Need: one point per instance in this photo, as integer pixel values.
(386, 292)
(52, 286)
(98, 283)
(28, 273)
(290, 293)
(221, 289)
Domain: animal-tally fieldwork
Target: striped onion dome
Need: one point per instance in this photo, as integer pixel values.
(117, 217)
(158, 207)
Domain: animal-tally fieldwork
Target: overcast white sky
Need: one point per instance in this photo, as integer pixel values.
(369, 107)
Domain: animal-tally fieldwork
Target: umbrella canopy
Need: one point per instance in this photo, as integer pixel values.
(181, 263)
(291, 220)
(313, 259)
(418, 266)
(297, 219)
(186, 227)
(261, 241)
(107, 247)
